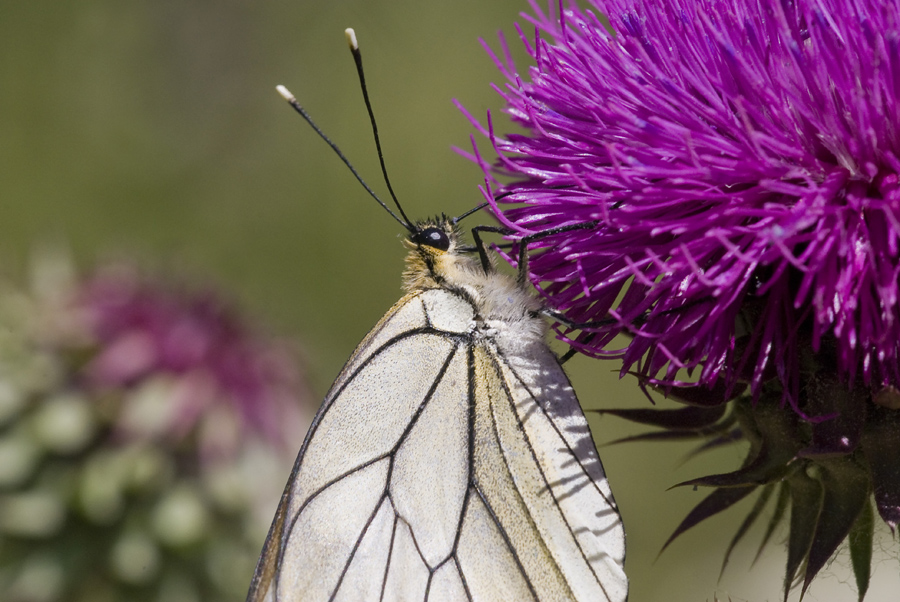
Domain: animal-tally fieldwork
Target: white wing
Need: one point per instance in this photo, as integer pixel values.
(536, 464)
(440, 469)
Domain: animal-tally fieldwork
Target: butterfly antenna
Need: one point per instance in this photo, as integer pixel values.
(475, 209)
(478, 208)
(357, 58)
(286, 94)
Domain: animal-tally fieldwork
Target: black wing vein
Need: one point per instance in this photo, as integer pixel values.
(511, 398)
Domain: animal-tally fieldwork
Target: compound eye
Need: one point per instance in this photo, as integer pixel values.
(433, 237)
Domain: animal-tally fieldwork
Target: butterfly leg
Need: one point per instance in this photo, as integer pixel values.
(551, 313)
(522, 260)
(522, 270)
(479, 244)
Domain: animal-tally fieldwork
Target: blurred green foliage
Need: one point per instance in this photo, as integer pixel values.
(152, 129)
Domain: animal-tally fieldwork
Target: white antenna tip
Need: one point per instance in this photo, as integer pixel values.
(351, 38)
(285, 93)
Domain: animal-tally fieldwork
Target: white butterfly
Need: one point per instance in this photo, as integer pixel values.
(450, 461)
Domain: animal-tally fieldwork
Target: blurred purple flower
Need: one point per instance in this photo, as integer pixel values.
(740, 161)
(143, 425)
(145, 328)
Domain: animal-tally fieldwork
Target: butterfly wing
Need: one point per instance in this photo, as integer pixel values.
(538, 474)
(424, 477)
(404, 317)
(338, 490)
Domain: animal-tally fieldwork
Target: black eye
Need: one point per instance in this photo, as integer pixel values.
(433, 237)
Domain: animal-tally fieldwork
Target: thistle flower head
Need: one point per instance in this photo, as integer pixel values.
(720, 179)
(740, 163)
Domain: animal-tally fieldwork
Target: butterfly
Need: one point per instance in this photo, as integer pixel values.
(450, 460)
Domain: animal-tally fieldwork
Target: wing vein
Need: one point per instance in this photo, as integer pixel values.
(359, 539)
(537, 463)
(293, 521)
(536, 399)
(389, 454)
(412, 536)
(506, 540)
(471, 434)
(389, 343)
(418, 413)
(340, 477)
(462, 577)
(387, 565)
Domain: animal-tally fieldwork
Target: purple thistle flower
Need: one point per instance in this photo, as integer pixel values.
(722, 179)
(740, 160)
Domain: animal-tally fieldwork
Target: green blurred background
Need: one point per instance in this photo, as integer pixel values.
(153, 130)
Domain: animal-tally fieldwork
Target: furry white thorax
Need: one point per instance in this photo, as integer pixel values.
(505, 312)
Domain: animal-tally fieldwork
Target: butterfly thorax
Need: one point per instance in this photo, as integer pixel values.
(501, 306)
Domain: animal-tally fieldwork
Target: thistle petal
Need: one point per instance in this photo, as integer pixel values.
(719, 180)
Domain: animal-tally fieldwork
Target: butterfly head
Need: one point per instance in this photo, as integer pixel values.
(435, 254)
